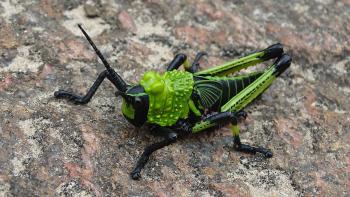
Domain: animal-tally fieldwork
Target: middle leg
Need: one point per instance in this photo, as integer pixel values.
(222, 117)
(178, 60)
(245, 147)
(195, 64)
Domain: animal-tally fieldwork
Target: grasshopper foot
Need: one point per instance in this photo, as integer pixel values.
(250, 149)
(253, 150)
(135, 175)
(76, 99)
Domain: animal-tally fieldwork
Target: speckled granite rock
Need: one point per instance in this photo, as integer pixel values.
(54, 148)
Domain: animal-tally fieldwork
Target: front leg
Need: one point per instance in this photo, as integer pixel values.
(170, 137)
(178, 60)
(181, 59)
(195, 64)
(77, 99)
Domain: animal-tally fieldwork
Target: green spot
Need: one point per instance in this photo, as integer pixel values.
(128, 110)
(235, 130)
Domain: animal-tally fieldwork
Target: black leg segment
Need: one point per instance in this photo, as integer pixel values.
(77, 99)
(250, 149)
(222, 117)
(244, 147)
(195, 64)
(170, 138)
(178, 60)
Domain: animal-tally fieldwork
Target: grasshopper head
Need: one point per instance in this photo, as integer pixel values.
(135, 105)
(135, 99)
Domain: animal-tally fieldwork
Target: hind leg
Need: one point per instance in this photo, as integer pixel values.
(233, 66)
(249, 93)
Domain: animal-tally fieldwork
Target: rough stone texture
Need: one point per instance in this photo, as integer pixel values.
(54, 148)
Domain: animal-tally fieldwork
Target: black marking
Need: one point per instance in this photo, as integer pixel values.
(239, 85)
(235, 87)
(228, 90)
(242, 81)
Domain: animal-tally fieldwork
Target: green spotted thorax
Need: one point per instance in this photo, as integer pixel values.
(169, 95)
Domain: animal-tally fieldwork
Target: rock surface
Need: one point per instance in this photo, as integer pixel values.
(51, 147)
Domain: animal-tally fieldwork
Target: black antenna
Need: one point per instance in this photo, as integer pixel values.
(114, 77)
(99, 54)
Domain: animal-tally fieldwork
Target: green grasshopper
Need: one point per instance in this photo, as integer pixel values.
(177, 103)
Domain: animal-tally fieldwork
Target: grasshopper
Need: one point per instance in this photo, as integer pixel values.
(177, 103)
